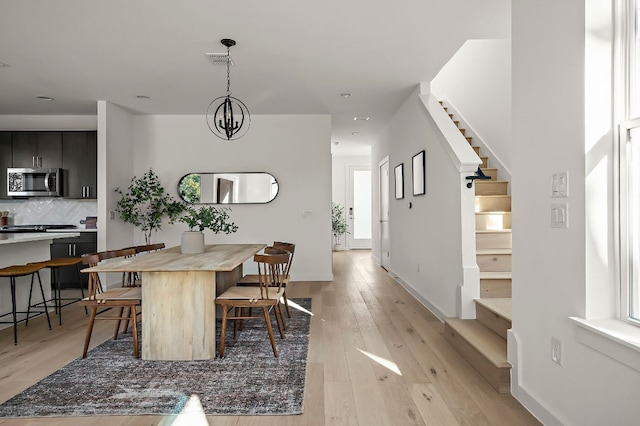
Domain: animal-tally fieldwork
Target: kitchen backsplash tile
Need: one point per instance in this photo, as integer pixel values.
(48, 211)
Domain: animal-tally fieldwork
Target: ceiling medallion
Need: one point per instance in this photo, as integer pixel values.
(228, 117)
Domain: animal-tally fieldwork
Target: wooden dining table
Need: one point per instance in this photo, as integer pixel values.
(178, 293)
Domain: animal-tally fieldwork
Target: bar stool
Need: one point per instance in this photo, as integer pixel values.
(55, 265)
(12, 272)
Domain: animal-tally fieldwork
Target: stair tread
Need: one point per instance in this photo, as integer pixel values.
(500, 306)
(485, 341)
(493, 251)
(494, 195)
(492, 182)
(494, 212)
(494, 231)
(498, 275)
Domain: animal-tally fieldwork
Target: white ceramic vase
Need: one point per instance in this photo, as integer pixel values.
(192, 242)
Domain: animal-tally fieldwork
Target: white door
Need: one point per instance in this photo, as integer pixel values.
(385, 244)
(359, 211)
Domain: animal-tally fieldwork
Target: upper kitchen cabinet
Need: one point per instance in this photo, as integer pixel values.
(79, 164)
(37, 149)
(5, 161)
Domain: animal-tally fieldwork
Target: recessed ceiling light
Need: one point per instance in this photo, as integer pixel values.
(142, 97)
(345, 95)
(361, 118)
(355, 133)
(45, 98)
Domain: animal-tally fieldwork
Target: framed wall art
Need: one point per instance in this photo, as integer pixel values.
(399, 181)
(417, 169)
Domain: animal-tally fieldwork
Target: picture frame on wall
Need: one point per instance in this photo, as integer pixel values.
(417, 169)
(399, 180)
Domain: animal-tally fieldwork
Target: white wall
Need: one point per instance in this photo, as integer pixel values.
(477, 82)
(425, 239)
(555, 270)
(115, 169)
(295, 149)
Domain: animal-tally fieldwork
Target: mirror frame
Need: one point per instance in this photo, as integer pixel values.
(227, 173)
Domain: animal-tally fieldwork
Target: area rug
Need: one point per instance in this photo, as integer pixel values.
(248, 381)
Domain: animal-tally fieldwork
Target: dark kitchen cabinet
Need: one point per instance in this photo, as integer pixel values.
(37, 149)
(5, 161)
(79, 164)
(74, 247)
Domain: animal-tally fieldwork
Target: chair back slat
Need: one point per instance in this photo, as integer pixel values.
(271, 268)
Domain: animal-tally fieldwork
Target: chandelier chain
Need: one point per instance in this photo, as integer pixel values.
(228, 72)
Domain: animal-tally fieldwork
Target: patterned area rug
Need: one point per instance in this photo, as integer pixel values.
(248, 381)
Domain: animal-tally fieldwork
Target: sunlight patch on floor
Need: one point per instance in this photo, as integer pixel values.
(192, 414)
(383, 362)
(294, 305)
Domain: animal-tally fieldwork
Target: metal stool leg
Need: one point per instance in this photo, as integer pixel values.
(44, 300)
(29, 304)
(13, 310)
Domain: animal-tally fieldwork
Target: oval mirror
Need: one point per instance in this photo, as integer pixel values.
(228, 188)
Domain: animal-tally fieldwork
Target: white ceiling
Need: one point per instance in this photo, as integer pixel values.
(292, 56)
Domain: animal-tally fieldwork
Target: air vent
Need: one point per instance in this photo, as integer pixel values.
(220, 59)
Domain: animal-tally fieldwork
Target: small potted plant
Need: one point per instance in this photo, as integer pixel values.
(200, 218)
(338, 225)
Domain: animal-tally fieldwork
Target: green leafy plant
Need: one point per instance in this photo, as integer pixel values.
(338, 222)
(209, 217)
(146, 204)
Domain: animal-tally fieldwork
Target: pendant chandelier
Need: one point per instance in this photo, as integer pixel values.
(228, 117)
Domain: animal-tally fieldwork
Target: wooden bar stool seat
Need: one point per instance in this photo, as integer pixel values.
(13, 272)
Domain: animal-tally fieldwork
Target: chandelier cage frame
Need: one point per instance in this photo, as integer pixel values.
(227, 116)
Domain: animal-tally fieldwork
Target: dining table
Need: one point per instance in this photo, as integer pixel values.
(178, 296)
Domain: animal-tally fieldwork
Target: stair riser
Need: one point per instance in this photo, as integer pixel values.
(493, 173)
(491, 240)
(494, 262)
(493, 204)
(485, 162)
(476, 149)
(499, 378)
(495, 287)
(491, 187)
(492, 321)
(493, 221)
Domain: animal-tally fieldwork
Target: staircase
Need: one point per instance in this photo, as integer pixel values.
(483, 341)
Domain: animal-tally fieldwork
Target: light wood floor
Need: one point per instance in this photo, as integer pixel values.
(376, 357)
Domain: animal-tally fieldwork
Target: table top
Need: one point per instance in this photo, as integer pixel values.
(216, 257)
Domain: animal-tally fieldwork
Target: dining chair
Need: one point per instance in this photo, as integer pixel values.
(252, 279)
(122, 297)
(134, 279)
(266, 295)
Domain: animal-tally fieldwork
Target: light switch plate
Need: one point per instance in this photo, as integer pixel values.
(560, 215)
(560, 185)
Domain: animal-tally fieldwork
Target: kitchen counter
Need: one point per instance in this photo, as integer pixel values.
(24, 237)
(21, 248)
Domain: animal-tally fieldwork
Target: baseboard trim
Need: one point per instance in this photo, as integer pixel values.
(431, 307)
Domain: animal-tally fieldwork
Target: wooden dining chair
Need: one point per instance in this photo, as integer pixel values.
(123, 297)
(266, 295)
(134, 279)
(252, 279)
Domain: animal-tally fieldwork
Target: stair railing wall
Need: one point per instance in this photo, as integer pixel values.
(466, 162)
(496, 162)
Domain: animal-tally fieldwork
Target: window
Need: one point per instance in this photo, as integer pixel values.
(630, 162)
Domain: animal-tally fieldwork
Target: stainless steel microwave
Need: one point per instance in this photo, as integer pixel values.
(34, 182)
